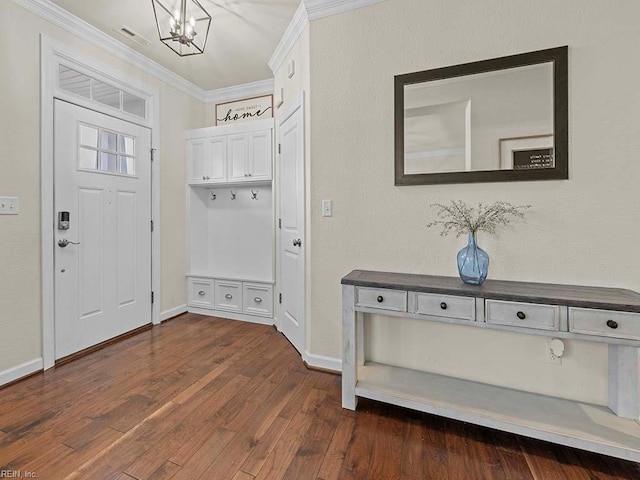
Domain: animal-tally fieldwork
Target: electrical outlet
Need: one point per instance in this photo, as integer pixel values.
(551, 357)
(9, 206)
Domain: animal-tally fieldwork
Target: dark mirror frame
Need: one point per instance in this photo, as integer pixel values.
(558, 56)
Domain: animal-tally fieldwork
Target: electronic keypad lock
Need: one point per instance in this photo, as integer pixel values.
(63, 220)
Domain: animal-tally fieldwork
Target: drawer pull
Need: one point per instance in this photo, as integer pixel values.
(521, 315)
(443, 305)
(257, 300)
(612, 324)
(380, 299)
(228, 296)
(201, 293)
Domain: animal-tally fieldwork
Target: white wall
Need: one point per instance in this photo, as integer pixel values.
(581, 231)
(20, 291)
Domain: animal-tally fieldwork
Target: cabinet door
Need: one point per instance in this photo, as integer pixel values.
(260, 154)
(237, 158)
(197, 160)
(216, 167)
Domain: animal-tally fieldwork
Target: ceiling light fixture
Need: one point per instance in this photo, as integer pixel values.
(184, 27)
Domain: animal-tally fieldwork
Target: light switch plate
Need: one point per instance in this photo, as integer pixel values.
(9, 206)
(326, 208)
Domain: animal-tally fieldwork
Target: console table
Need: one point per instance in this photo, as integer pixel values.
(605, 315)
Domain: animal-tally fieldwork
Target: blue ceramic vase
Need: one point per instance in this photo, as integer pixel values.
(473, 262)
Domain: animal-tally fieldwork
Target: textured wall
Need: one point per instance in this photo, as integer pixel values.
(20, 283)
(581, 231)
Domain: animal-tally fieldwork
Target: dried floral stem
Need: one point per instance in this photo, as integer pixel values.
(460, 219)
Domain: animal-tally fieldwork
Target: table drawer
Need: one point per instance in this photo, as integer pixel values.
(381, 298)
(528, 315)
(445, 306)
(604, 323)
(228, 296)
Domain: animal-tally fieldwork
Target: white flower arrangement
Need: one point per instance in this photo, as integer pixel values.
(460, 219)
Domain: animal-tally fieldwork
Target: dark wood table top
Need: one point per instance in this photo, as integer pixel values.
(569, 295)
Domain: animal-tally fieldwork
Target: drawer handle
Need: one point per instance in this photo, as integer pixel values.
(228, 296)
(201, 293)
(612, 324)
(443, 305)
(380, 299)
(521, 315)
(257, 300)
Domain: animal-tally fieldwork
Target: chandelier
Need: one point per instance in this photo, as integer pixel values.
(183, 25)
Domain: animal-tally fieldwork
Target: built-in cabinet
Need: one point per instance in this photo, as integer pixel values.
(230, 221)
(230, 154)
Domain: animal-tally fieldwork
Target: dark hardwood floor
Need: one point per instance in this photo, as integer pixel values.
(203, 398)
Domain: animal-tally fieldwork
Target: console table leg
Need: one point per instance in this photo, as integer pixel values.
(624, 396)
(349, 367)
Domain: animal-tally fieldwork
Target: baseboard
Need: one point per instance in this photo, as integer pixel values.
(173, 312)
(19, 371)
(232, 316)
(323, 363)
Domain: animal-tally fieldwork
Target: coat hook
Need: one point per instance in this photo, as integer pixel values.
(254, 195)
(233, 195)
(213, 195)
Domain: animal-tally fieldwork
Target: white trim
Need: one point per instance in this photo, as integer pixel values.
(242, 317)
(245, 90)
(297, 25)
(321, 361)
(19, 371)
(52, 52)
(323, 8)
(74, 25)
(173, 312)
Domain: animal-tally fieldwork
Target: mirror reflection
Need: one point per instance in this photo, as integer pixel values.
(488, 121)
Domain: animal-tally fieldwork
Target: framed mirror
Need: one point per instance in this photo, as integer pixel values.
(498, 120)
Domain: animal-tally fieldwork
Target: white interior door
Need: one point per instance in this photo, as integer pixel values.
(291, 254)
(102, 177)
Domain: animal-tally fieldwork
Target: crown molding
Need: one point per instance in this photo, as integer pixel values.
(58, 16)
(323, 8)
(245, 90)
(299, 21)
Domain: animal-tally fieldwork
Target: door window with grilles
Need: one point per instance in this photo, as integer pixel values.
(105, 151)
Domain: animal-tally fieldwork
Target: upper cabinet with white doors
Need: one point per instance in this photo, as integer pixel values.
(230, 154)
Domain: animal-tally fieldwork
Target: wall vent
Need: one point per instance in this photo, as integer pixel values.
(132, 35)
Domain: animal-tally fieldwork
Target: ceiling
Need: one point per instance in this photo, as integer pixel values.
(242, 38)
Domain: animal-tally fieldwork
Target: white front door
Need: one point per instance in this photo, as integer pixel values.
(102, 178)
(291, 254)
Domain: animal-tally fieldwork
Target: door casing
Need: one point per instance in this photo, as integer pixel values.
(54, 53)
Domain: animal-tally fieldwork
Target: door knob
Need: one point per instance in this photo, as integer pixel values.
(297, 242)
(63, 242)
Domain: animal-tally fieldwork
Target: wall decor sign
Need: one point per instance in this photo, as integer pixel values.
(527, 153)
(528, 159)
(244, 110)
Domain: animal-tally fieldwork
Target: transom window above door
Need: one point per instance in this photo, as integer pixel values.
(91, 88)
(105, 151)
